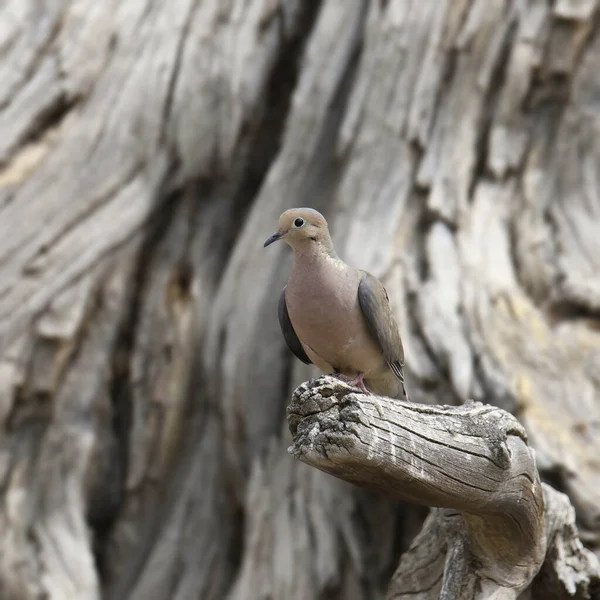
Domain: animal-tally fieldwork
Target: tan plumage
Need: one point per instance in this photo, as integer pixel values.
(333, 315)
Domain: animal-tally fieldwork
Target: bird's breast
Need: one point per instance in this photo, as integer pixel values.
(325, 313)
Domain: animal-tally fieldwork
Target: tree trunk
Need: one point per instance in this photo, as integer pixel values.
(147, 150)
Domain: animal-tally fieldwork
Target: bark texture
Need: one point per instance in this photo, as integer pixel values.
(146, 151)
(496, 532)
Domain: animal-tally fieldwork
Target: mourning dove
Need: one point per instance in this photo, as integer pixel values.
(335, 316)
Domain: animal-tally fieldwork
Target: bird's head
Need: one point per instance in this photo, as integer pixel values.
(302, 228)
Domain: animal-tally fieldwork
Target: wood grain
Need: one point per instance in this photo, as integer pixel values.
(146, 151)
(470, 462)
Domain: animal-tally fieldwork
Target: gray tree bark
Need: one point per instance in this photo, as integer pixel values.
(146, 151)
(497, 532)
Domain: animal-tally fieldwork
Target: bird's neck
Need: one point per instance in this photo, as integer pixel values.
(312, 262)
(314, 252)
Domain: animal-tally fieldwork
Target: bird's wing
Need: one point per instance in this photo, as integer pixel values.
(291, 339)
(375, 306)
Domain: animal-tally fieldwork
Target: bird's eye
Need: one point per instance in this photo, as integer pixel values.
(298, 222)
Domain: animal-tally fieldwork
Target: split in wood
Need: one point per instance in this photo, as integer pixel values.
(495, 527)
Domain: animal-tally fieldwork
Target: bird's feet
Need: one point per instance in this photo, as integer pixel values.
(355, 382)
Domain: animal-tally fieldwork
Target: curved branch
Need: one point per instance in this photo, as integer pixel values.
(473, 459)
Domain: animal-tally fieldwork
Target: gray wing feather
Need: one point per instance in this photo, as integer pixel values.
(375, 306)
(289, 335)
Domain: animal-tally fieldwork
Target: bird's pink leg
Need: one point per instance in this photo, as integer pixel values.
(356, 382)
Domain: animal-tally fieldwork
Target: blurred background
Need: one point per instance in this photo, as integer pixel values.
(146, 151)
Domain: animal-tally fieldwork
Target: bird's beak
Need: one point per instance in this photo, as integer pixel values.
(276, 236)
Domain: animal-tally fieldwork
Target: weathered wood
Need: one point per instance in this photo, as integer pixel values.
(473, 462)
(568, 570)
(146, 150)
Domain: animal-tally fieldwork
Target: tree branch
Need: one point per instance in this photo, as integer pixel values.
(473, 459)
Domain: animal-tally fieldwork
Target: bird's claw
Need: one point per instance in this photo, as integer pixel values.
(356, 382)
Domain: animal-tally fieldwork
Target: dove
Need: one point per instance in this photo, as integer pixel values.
(335, 316)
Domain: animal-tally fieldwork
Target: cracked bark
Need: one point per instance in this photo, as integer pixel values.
(148, 148)
(494, 528)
